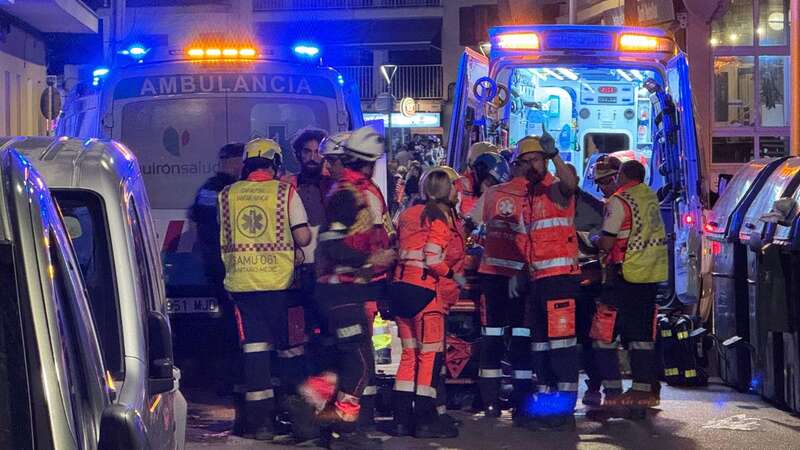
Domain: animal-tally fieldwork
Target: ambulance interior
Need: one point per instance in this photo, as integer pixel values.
(588, 110)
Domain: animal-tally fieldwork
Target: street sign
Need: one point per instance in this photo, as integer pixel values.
(384, 102)
(408, 107)
(388, 71)
(50, 103)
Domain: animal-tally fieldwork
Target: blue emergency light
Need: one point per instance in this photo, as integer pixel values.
(340, 79)
(306, 50)
(100, 72)
(135, 51)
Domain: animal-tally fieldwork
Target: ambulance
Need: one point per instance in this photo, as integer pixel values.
(595, 89)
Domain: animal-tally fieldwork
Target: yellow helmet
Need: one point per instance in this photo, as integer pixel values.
(262, 148)
(449, 171)
(528, 144)
(479, 148)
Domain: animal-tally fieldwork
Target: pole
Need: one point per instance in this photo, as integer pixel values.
(794, 50)
(389, 133)
(573, 11)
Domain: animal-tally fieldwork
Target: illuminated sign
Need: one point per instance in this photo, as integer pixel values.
(566, 40)
(408, 107)
(418, 120)
(224, 83)
(607, 89)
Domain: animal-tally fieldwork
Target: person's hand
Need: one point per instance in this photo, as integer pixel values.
(516, 285)
(548, 145)
(460, 280)
(382, 258)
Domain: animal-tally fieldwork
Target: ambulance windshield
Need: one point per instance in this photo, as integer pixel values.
(587, 110)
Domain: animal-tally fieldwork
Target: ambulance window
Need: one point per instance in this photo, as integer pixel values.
(605, 142)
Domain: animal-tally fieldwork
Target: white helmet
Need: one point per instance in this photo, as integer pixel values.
(364, 144)
(334, 145)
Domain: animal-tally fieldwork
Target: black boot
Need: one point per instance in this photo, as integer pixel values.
(433, 427)
(403, 405)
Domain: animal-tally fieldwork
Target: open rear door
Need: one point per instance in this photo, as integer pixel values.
(685, 161)
(466, 107)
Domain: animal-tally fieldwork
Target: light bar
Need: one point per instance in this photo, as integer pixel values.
(518, 41)
(100, 72)
(221, 53)
(644, 43)
(309, 51)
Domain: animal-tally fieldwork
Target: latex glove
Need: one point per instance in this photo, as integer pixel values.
(548, 145)
(460, 280)
(516, 286)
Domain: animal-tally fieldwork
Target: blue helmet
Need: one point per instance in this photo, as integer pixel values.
(491, 165)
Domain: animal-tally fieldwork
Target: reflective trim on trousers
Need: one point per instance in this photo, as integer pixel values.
(490, 373)
(643, 387)
(641, 345)
(563, 343)
(256, 347)
(507, 263)
(293, 352)
(434, 347)
(612, 384)
(542, 388)
(434, 259)
(540, 346)
(255, 396)
(600, 345)
(523, 374)
(346, 332)
(552, 263)
(370, 390)
(444, 370)
(433, 248)
(426, 391)
(521, 332)
(551, 223)
(568, 387)
(403, 386)
(412, 255)
(493, 331)
(408, 343)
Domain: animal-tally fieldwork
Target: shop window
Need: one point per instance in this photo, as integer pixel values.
(773, 146)
(772, 22)
(732, 149)
(774, 87)
(735, 28)
(733, 90)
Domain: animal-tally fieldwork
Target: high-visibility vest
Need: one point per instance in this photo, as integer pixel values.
(646, 259)
(553, 247)
(447, 290)
(505, 242)
(423, 245)
(256, 236)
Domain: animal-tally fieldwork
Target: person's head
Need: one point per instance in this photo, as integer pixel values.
(479, 148)
(333, 153)
(261, 154)
(436, 186)
(307, 150)
(631, 172)
(230, 159)
(362, 149)
(530, 157)
(490, 169)
(605, 173)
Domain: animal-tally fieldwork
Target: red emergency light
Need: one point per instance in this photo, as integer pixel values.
(607, 89)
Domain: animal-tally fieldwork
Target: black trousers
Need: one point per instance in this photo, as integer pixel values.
(503, 320)
(584, 313)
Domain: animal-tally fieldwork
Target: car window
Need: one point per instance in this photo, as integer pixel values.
(15, 413)
(775, 187)
(736, 189)
(140, 250)
(85, 219)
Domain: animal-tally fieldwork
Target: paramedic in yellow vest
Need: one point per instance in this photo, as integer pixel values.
(634, 241)
(262, 221)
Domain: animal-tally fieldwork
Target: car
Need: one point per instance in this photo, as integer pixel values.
(99, 190)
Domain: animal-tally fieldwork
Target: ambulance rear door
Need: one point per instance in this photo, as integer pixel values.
(686, 179)
(466, 108)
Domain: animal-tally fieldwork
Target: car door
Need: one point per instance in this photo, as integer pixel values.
(466, 108)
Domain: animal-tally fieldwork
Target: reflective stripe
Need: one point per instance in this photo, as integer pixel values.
(444, 370)
(690, 373)
(412, 255)
(644, 387)
(523, 374)
(641, 345)
(426, 391)
(568, 387)
(430, 348)
(408, 343)
(542, 388)
(346, 332)
(612, 384)
(255, 396)
(331, 236)
(671, 372)
(341, 270)
(521, 332)
(600, 345)
(293, 352)
(434, 259)
(563, 343)
(403, 386)
(370, 390)
(433, 248)
(551, 223)
(507, 263)
(490, 373)
(492, 331)
(441, 409)
(555, 262)
(419, 264)
(256, 347)
(540, 346)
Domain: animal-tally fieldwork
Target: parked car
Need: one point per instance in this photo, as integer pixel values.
(99, 190)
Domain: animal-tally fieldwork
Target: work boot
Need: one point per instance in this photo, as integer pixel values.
(592, 398)
(264, 433)
(435, 428)
(447, 418)
(403, 412)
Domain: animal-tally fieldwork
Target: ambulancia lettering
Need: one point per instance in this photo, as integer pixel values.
(224, 83)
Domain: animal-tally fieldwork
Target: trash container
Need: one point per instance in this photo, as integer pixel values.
(764, 297)
(728, 267)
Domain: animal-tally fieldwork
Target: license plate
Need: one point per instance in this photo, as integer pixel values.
(188, 305)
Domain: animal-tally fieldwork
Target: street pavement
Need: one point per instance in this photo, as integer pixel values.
(698, 418)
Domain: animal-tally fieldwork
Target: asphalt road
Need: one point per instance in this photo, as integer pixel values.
(687, 419)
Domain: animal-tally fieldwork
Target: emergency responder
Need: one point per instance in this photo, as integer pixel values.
(502, 211)
(634, 238)
(262, 220)
(470, 185)
(333, 154)
(224, 348)
(605, 175)
(353, 251)
(553, 266)
(424, 235)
